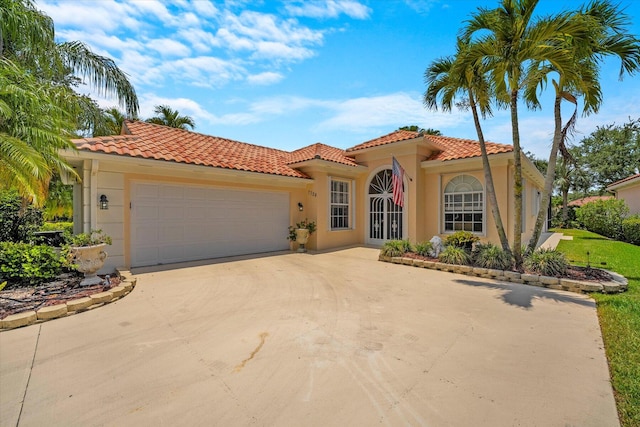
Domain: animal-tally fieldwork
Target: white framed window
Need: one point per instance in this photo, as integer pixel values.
(464, 205)
(340, 205)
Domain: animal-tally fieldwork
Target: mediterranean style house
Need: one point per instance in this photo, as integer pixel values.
(167, 195)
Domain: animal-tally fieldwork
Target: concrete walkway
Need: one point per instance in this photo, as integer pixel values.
(327, 339)
(549, 240)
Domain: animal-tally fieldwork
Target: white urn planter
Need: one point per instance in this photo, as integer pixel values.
(89, 260)
(302, 236)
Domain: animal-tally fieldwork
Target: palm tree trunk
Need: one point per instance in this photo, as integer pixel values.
(565, 206)
(488, 178)
(517, 187)
(550, 178)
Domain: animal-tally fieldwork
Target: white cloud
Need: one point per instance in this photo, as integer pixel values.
(168, 47)
(185, 106)
(265, 78)
(202, 70)
(89, 15)
(329, 9)
(205, 8)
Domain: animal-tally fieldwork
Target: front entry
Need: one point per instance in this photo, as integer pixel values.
(386, 219)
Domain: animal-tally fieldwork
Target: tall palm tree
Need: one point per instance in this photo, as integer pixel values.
(507, 39)
(39, 109)
(601, 31)
(167, 116)
(449, 77)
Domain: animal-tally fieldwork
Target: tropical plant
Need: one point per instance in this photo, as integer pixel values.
(424, 248)
(39, 109)
(487, 255)
(94, 237)
(27, 264)
(593, 32)
(451, 77)
(304, 224)
(394, 248)
(455, 255)
(167, 116)
(548, 262)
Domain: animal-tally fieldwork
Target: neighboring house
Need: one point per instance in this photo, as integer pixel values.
(628, 189)
(175, 195)
(580, 202)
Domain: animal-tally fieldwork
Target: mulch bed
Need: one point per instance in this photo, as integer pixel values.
(65, 288)
(573, 273)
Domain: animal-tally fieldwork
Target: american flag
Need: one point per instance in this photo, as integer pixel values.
(397, 175)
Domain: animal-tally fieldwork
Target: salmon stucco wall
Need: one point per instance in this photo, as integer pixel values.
(631, 195)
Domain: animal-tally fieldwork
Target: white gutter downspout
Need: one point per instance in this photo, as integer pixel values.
(93, 196)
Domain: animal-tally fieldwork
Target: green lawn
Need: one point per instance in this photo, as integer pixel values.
(619, 314)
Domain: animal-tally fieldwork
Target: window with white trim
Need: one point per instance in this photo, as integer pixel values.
(464, 205)
(340, 205)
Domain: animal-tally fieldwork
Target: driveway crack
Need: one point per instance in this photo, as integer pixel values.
(33, 360)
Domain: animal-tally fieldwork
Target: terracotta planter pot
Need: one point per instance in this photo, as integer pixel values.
(89, 260)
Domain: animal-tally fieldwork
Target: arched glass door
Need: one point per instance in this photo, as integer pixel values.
(386, 219)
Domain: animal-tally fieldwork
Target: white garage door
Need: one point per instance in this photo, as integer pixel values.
(177, 222)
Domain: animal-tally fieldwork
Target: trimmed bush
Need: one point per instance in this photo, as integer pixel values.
(547, 262)
(454, 255)
(18, 222)
(490, 256)
(461, 239)
(26, 264)
(396, 248)
(424, 248)
(604, 217)
(631, 230)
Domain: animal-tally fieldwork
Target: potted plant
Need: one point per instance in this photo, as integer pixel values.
(300, 233)
(86, 253)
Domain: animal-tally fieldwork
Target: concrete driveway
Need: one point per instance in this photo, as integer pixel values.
(313, 339)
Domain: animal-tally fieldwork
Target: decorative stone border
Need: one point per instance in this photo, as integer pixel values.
(127, 283)
(619, 283)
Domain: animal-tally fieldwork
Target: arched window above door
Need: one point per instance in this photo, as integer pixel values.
(381, 183)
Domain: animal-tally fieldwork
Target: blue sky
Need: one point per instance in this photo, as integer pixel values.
(286, 74)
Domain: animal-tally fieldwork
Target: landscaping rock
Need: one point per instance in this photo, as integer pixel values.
(530, 277)
(396, 260)
(79, 304)
(512, 276)
(18, 320)
(101, 297)
(547, 280)
(407, 261)
(429, 264)
(118, 291)
(464, 269)
(498, 274)
(480, 271)
(611, 288)
(52, 312)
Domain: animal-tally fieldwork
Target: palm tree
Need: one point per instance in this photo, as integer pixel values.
(509, 39)
(39, 110)
(600, 32)
(447, 78)
(167, 116)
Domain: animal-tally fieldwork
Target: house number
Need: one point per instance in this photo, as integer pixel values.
(312, 193)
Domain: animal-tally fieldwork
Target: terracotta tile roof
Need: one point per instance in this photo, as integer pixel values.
(452, 148)
(629, 178)
(158, 142)
(321, 151)
(397, 136)
(585, 200)
(457, 148)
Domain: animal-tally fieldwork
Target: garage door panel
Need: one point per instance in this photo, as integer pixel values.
(176, 222)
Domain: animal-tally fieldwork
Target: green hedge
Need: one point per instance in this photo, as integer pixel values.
(631, 230)
(26, 264)
(604, 217)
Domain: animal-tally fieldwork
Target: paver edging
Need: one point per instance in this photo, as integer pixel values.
(127, 283)
(617, 285)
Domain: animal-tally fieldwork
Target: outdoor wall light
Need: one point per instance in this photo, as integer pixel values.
(104, 202)
(300, 207)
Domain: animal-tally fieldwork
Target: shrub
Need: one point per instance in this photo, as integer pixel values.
(424, 248)
(66, 227)
(461, 239)
(490, 256)
(631, 230)
(547, 262)
(26, 264)
(604, 217)
(396, 248)
(19, 222)
(455, 255)
(95, 237)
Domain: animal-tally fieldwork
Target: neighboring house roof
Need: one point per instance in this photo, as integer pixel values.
(159, 142)
(630, 180)
(322, 152)
(449, 148)
(580, 202)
